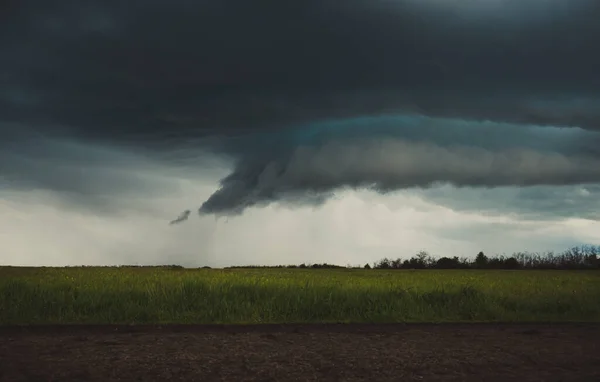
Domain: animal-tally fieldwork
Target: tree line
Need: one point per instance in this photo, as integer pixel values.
(579, 257)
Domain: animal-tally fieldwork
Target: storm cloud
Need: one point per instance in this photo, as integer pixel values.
(302, 98)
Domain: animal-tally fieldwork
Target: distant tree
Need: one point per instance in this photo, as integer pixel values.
(415, 263)
(420, 261)
(423, 257)
(367, 266)
(385, 263)
(494, 263)
(511, 263)
(448, 263)
(464, 263)
(481, 260)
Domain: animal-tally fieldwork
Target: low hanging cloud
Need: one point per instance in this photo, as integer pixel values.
(537, 203)
(391, 164)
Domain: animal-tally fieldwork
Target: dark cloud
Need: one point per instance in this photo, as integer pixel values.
(250, 79)
(113, 67)
(181, 218)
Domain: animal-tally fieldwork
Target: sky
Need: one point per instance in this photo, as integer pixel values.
(264, 132)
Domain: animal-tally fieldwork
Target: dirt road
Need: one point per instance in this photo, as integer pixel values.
(413, 352)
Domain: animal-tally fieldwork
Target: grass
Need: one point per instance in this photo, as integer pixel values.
(163, 295)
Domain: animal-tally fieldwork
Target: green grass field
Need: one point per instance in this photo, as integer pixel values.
(164, 295)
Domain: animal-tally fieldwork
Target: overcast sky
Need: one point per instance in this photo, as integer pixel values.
(277, 132)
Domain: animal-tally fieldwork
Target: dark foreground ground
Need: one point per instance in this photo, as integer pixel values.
(413, 352)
